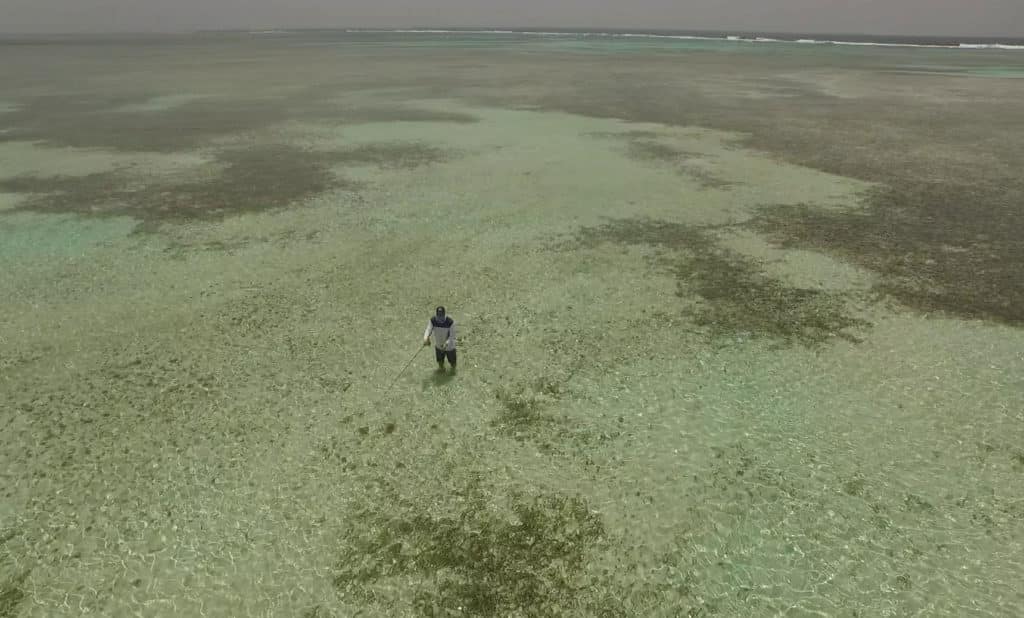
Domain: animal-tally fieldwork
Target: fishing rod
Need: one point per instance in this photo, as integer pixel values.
(393, 382)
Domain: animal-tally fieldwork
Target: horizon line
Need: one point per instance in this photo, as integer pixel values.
(496, 29)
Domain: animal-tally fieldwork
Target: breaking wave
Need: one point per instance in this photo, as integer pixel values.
(701, 37)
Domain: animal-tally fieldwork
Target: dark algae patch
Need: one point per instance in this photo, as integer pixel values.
(938, 248)
(12, 591)
(736, 296)
(476, 561)
(396, 155)
(683, 162)
(103, 121)
(251, 180)
(12, 594)
(529, 411)
(942, 228)
(247, 180)
(96, 121)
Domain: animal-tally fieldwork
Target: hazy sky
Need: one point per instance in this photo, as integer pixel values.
(916, 17)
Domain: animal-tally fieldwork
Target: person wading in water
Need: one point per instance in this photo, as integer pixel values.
(441, 328)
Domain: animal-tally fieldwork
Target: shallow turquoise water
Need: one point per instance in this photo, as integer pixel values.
(197, 414)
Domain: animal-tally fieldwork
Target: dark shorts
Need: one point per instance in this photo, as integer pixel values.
(442, 354)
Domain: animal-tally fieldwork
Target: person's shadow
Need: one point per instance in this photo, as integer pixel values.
(438, 378)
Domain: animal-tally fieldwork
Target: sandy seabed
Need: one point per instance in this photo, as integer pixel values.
(690, 382)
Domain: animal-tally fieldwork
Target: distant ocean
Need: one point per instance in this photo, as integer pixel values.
(765, 37)
(753, 38)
